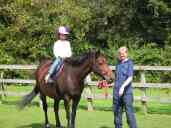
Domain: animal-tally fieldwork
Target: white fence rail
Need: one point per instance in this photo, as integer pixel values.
(142, 85)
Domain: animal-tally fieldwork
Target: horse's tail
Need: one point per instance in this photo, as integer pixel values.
(28, 98)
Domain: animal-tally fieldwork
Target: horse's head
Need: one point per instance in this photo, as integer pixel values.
(100, 66)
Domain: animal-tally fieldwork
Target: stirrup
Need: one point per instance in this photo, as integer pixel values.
(48, 79)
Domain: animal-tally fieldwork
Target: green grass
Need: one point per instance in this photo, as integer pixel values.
(159, 115)
(102, 117)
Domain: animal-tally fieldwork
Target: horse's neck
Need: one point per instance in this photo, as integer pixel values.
(83, 70)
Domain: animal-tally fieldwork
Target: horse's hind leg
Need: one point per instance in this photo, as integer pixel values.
(43, 98)
(56, 110)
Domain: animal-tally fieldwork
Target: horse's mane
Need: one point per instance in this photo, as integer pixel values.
(74, 60)
(77, 60)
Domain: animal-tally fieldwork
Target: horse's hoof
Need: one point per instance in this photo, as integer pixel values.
(47, 125)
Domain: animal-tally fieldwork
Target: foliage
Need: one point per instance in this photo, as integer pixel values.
(28, 26)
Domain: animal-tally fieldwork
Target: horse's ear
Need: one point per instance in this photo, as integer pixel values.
(98, 52)
(95, 51)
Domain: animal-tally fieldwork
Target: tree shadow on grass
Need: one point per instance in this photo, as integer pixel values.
(154, 109)
(37, 125)
(34, 125)
(33, 103)
(105, 127)
(102, 108)
(97, 108)
(15, 103)
(137, 109)
(151, 109)
(161, 110)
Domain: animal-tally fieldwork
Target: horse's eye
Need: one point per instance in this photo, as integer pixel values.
(101, 61)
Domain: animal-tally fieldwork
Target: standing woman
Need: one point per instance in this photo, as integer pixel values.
(122, 92)
(61, 50)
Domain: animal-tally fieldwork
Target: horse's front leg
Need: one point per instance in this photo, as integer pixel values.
(56, 110)
(67, 109)
(74, 109)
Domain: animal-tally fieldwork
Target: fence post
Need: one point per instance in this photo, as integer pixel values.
(2, 87)
(143, 93)
(88, 93)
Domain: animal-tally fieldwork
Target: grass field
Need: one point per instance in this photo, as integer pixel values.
(159, 115)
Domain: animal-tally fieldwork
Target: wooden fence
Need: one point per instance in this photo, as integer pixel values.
(142, 85)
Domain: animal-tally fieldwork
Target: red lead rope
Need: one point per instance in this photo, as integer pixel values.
(102, 84)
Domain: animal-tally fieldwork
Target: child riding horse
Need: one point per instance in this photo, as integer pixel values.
(69, 85)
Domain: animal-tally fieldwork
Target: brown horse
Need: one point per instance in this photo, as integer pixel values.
(69, 85)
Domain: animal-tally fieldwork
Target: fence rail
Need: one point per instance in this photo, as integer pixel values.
(141, 68)
(142, 85)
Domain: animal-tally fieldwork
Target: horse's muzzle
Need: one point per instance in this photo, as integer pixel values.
(109, 79)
